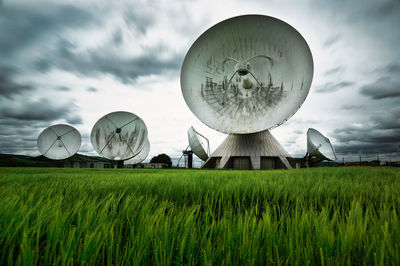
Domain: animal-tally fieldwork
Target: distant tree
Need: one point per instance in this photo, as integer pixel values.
(162, 158)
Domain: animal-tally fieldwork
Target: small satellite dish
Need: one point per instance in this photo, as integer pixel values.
(244, 76)
(197, 145)
(319, 146)
(59, 142)
(119, 135)
(247, 74)
(142, 154)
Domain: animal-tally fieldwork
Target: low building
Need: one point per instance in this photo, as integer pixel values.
(155, 165)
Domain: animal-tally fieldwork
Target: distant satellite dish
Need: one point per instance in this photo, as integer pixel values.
(244, 76)
(247, 74)
(197, 145)
(59, 142)
(142, 154)
(319, 146)
(119, 135)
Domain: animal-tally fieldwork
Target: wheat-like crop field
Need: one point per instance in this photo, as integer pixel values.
(321, 216)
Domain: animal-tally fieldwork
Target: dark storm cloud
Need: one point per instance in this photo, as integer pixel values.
(100, 61)
(8, 87)
(381, 89)
(392, 69)
(14, 144)
(20, 124)
(26, 24)
(18, 136)
(387, 86)
(40, 110)
(333, 87)
(379, 135)
(382, 9)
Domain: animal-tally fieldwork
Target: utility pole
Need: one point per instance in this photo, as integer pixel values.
(360, 160)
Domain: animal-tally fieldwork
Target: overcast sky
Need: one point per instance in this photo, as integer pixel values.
(75, 61)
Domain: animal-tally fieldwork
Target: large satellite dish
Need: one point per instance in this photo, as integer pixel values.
(245, 75)
(319, 146)
(196, 143)
(119, 135)
(142, 155)
(59, 142)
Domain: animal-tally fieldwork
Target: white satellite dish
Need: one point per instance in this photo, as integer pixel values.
(59, 142)
(245, 75)
(119, 135)
(141, 156)
(197, 145)
(319, 146)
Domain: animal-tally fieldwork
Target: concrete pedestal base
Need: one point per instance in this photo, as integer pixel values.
(249, 151)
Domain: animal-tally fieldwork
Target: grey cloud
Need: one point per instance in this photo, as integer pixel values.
(334, 71)
(138, 18)
(351, 107)
(379, 135)
(63, 88)
(24, 25)
(91, 89)
(19, 138)
(298, 132)
(391, 69)
(383, 88)
(74, 120)
(333, 87)
(98, 62)
(40, 110)
(382, 9)
(20, 124)
(86, 146)
(331, 41)
(8, 87)
(14, 144)
(117, 37)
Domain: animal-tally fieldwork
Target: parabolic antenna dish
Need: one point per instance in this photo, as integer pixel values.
(319, 146)
(247, 74)
(59, 142)
(142, 154)
(119, 135)
(196, 144)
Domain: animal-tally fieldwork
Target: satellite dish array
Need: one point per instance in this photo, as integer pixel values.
(116, 136)
(243, 76)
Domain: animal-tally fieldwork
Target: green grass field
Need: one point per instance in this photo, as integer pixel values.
(107, 216)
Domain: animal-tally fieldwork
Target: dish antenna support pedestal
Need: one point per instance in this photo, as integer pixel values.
(258, 150)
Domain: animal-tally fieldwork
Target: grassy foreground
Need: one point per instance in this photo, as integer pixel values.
(106, 216)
